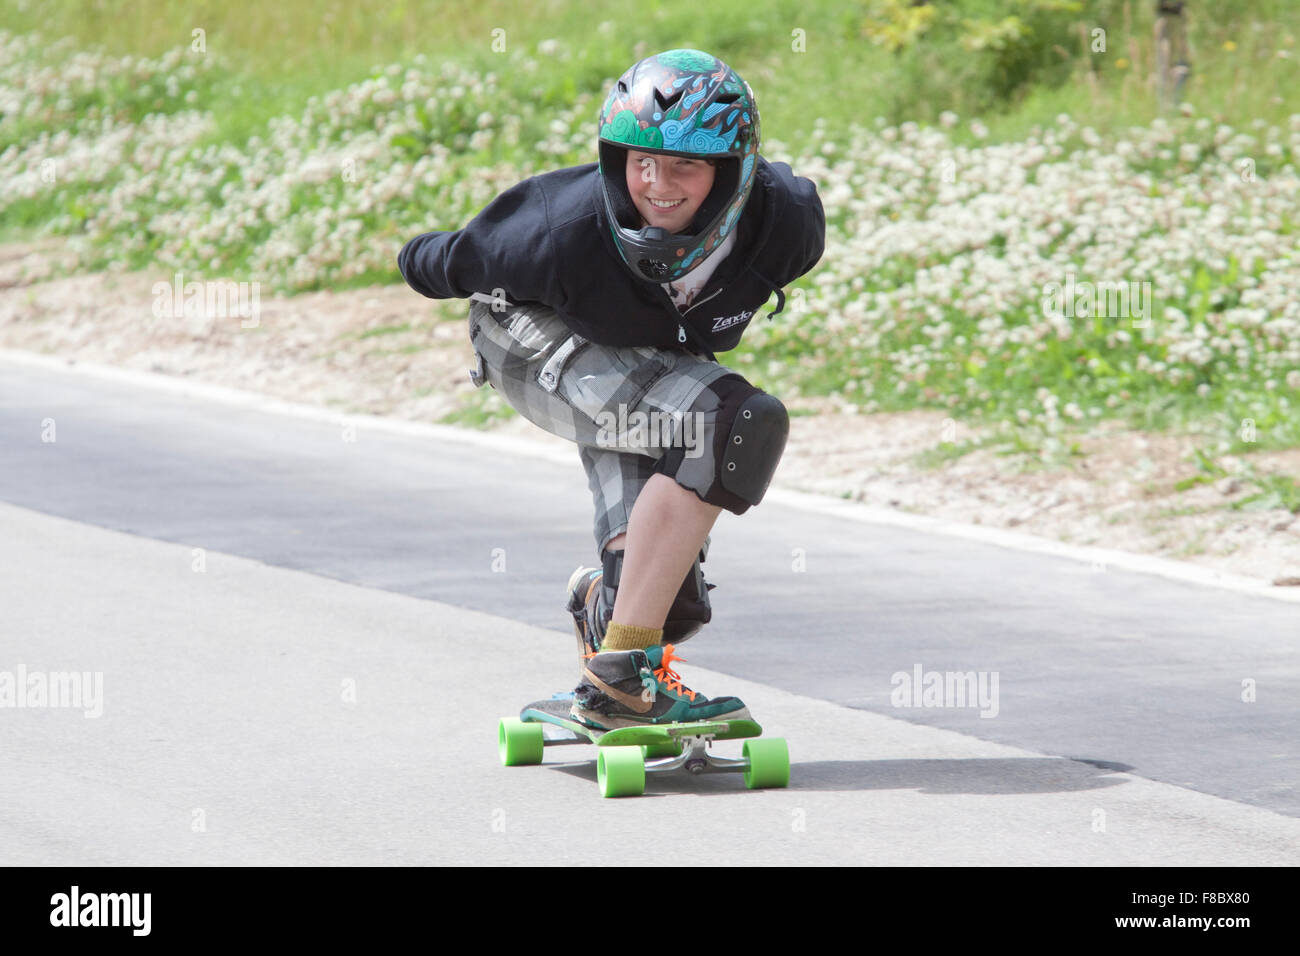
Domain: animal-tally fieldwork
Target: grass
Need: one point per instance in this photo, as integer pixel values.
(1194, 547)
(1275, 492)
(382, 330)
(478, 410)
(946, 452)
(808, 64)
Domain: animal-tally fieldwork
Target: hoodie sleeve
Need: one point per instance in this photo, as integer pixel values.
(806, 226)
(507, 246)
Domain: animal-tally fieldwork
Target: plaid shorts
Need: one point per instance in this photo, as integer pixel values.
(577, 389)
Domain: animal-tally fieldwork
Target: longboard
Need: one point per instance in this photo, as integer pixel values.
(627, 754)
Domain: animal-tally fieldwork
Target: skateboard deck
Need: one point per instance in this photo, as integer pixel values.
(626, 754)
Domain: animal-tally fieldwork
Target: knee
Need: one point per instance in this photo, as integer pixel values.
(739, 451)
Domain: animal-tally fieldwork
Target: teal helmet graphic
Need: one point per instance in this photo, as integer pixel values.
(678, 103)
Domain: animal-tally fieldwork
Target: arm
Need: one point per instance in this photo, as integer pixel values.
(507, 246)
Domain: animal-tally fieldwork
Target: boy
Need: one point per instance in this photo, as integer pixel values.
(601, 295)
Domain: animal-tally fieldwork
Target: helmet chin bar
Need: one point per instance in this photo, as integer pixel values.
(653, 267)
(648, 266)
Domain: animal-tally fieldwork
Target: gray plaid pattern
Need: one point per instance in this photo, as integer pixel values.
(563, 383)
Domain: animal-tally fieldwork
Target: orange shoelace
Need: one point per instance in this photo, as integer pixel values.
(668, 677)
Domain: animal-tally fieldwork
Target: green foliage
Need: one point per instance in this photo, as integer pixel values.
(897, 25)
(1275, 491)
(973, 56)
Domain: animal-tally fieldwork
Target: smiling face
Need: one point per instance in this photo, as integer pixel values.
(667, 190)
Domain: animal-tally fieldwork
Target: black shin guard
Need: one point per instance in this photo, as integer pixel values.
(690, 609)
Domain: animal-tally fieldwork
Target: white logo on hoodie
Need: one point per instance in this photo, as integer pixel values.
(726, 322)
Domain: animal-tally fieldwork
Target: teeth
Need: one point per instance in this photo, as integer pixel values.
(662, 204)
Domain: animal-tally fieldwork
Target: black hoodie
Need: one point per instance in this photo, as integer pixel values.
(547, 240)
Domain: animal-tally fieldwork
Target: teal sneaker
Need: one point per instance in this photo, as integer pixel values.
(634, 688)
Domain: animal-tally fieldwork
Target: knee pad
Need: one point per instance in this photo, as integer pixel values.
(740, 451)
(690, 608)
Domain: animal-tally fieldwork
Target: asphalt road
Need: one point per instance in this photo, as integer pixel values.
(307, 628)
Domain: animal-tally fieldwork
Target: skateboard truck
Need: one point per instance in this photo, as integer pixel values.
(697, 758)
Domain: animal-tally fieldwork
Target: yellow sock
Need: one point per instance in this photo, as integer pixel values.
(628, 637)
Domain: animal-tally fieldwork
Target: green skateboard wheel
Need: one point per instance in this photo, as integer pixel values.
(769, 762)
(520, 743)
(669, 748)
(620, 771)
